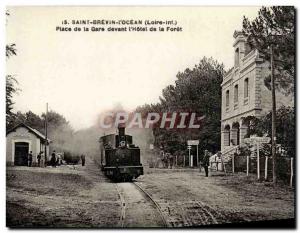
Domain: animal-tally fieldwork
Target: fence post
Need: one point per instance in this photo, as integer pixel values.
(217, 166)
(258, 162)
(292, 172)
(266, 168)
(247, 165)
(176, 160)
(223, 164)
(183, 160)
(232, 163)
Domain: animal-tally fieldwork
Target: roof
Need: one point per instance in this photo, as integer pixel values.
(32, 130)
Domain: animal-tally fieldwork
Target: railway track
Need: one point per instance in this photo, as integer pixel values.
(154, 202)
(183, 214)
(123, 207)
(138, 209)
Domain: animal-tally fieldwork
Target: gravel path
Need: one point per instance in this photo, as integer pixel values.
(191, 199)
(139, 210)
(61, 197)
(76, 196)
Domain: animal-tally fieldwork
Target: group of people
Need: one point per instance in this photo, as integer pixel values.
(168, 160)
(55, 159)
(38, 157)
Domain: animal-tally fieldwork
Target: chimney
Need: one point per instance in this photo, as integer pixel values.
(121, 129)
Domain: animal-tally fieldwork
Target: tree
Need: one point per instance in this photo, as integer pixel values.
(196, 90)
(11, 88)
(285, 125)
(29, 118)
(59, 130)
(275, 26)
(11, 50)
(272, 33)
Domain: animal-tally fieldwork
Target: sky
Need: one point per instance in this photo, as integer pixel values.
(81, 74)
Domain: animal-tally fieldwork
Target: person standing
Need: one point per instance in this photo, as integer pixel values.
(205, 162)
(82, 159)
(30, 159)
(39, 156)
(162, 156)
(171, 160)
(53, 159)
(166, 160)
(58, 159)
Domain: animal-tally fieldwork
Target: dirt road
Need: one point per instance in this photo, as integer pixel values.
(191, 199)
(61, 197)
(76, 196)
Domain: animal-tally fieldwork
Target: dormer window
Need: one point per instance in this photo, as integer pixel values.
(237, 57)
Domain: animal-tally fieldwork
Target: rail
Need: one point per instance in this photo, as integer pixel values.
(154, 202)
(123, 206)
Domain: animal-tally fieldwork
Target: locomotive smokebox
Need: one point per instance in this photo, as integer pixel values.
(122, 136)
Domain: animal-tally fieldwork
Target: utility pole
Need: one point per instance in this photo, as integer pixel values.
(46, 132)
(273, 117)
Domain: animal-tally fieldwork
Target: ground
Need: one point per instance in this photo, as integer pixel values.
(60, 197)
(226, 199)
(75, 196)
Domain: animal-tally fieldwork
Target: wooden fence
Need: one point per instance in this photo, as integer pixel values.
(262, 167)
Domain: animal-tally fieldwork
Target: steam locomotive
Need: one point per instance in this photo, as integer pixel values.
(119, 157)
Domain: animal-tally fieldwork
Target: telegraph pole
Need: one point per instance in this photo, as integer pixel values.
(46, 132)
(273, 117)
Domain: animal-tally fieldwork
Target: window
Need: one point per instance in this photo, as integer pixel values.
(236, 93)
(237, 57)
(246, 88)
(227, 98)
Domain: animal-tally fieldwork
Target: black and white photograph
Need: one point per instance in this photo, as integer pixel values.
(160, 117)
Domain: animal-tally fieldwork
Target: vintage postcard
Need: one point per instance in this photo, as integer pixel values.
(150, 117)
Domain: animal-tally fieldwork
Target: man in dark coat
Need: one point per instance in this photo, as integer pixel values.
(82, 159)
(30, 159)
(171, 160)
(39, 156)
(205, 162)
(53, 159)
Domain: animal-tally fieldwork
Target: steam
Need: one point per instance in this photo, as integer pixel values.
(86, 141)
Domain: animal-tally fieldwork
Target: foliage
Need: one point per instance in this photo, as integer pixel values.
(275, 26)
(11, 50)
(196, 90)
(59, 129)
(285, 128)
(11, 83)
(11, 89)
(29, 118)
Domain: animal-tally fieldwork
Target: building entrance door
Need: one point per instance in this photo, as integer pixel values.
(21, 153)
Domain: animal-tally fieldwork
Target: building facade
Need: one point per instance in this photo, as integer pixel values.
(244, 93)
(20, 141)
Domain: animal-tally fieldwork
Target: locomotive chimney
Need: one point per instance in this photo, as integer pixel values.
(121, 129)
